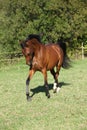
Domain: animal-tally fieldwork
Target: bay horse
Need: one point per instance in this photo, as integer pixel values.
(44, 58)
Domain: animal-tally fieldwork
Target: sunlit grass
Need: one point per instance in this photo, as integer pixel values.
(66, 110)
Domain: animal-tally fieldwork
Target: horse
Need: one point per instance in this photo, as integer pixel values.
(43, 58)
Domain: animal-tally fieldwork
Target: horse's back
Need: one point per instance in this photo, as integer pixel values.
(54, 49)
(54, 54)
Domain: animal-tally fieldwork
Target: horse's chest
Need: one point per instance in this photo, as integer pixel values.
(37, 65)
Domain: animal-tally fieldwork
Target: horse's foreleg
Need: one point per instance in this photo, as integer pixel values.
(31, 73)
(46, 83)
(27, 88)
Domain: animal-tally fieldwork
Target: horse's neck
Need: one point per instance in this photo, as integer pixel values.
(40, 51)
(36, 47)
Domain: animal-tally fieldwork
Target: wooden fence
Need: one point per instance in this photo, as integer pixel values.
(81, 52)
(10, 57)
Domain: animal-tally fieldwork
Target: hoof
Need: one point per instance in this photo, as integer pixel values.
(29, 99)
(54, 90)
(58, 89)
(48, 95)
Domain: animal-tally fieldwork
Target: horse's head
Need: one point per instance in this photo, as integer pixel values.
(30, 47)
(28, 51)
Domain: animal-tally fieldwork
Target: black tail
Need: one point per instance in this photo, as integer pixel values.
(66, 60)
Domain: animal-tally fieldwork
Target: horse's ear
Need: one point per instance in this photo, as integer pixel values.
(22, 44)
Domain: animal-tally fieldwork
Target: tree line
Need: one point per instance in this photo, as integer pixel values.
(52, 19)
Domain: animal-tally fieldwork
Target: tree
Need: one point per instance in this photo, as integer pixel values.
(52, 19)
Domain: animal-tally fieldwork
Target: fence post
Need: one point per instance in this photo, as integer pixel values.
(82, 51)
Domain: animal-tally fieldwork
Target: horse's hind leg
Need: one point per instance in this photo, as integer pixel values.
(56, 88)
(58, 67)
(55, 75)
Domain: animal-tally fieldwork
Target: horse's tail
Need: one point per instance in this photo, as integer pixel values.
(66, 60)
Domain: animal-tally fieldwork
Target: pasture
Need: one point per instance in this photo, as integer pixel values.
(66, 110)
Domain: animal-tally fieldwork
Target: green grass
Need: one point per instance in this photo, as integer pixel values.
(66, 110)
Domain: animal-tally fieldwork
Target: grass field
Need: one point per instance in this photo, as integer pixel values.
(66, 110)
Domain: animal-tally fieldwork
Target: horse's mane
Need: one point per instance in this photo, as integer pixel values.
(31, 36)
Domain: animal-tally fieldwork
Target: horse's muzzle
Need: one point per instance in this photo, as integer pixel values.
(29, 63)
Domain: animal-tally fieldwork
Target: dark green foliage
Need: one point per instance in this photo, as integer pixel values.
(51, 19)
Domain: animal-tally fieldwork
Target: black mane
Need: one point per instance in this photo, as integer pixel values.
(31, 36)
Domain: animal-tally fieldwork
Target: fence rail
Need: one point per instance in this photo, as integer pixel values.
(81, 51)
(16, 56)
(10, 57)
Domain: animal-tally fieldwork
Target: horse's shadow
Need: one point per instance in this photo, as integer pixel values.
(42, 88)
